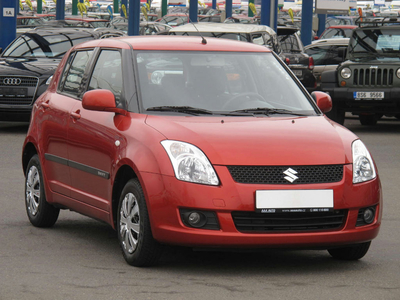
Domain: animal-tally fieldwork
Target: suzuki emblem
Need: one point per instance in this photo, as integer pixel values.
(291, 175)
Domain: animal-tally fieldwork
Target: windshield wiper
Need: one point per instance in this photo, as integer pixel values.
(269, 111)
(181, 109)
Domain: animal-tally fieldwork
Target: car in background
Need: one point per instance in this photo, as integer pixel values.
(93, 22)
(175, 19)
(25, 21)
(145, 28)
(27, 64)
(242, 19)
(327, 55)
(177, 141)
(337, 32)
(211, 18)
(257, 34)
(297, 59)
(340, 20)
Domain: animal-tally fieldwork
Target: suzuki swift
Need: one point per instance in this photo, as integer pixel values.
(197, 142)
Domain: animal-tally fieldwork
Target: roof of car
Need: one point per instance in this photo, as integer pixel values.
(95, 32)
(222, 27)
(173, 43)
(343, 26)
(338, 41)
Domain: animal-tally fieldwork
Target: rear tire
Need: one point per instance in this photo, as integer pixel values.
(350, 253)
(368, 120)
(40, 213)
(337, 115)
(133, 225)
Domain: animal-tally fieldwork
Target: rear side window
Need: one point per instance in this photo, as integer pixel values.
(72, 77)
(325, 55)
(107, 73)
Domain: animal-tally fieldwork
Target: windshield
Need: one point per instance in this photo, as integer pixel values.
(218, 81)
(374, 42)
(54, 45)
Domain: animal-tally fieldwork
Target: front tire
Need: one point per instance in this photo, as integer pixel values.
(133, 225)
(40, 212)
(350, 253)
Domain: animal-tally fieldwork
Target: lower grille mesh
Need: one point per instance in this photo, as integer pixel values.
(288, 222)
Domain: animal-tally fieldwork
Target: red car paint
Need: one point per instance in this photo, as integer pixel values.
(112, 140)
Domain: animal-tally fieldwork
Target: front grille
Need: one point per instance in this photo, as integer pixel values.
(373, 77)
(25, 81)
(16, 101)
(19, 95)
(275, 174)
(288, 222)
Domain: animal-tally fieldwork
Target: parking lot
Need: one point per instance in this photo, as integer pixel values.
(80, 259)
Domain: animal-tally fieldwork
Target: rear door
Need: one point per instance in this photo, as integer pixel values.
(53, 119)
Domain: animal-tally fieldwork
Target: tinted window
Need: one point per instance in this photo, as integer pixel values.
(107, 73)
(45, 44)
(73, 76)
(289, 43)
(325, 55)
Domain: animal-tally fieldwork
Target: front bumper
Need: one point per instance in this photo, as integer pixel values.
(10, 113)
(165, 195)
(344, 97)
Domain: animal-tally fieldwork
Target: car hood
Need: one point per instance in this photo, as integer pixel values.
(261, 140)
(28, 67)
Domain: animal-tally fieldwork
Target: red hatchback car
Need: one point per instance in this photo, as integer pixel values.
(197, 142)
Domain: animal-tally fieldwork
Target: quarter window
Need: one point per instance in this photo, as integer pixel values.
(73, 76)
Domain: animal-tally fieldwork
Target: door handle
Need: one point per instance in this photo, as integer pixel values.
(76, 115)
(45, 105)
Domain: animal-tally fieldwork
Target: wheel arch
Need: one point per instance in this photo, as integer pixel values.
(27, 153)
(124, 174)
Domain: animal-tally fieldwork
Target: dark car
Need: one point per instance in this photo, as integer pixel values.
(367, 84)
(327, 55)
(28, 63)
(299, 62)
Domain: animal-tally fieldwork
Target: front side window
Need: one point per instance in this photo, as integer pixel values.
(218, 81)
(107, 73)
(73, 76)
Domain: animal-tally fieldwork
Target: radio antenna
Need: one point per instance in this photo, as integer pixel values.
(203, 40)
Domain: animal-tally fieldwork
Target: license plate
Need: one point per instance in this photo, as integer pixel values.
(298, 72)
(368, 95)
(13, 92)
(282, 201)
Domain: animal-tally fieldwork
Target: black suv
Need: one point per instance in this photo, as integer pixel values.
(367, 84)
(27, 64)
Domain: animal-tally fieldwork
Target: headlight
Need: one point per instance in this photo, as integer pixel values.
(49, 80)
(190, 163)
(345, 73)
(398, 73)
(363, 166)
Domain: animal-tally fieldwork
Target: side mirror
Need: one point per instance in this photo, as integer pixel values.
(323, 100)
(101, 100)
